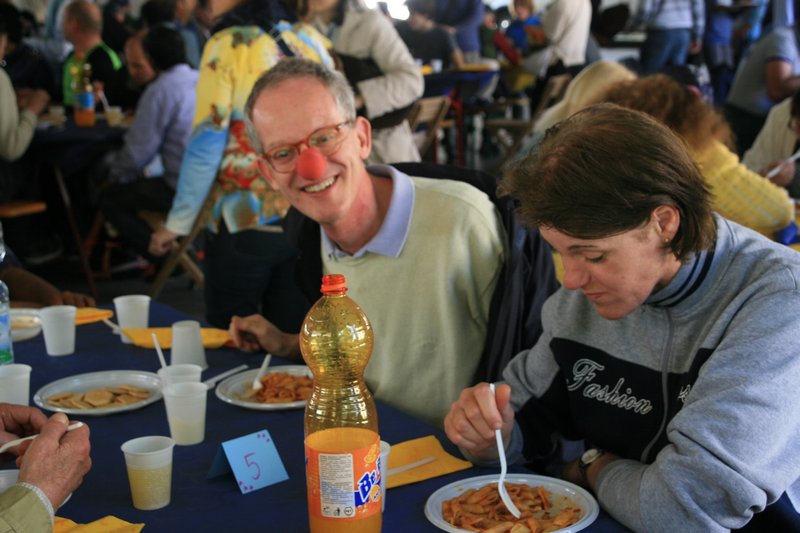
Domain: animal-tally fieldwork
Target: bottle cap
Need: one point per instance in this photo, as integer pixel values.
(333, 284)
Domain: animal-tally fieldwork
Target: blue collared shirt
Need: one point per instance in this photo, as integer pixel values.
(393, 232)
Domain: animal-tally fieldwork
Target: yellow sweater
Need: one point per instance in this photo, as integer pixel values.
(742, 195)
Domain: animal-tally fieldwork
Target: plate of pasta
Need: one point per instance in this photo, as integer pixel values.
(547, 505)
(284, 387)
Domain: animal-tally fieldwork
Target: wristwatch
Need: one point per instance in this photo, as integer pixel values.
(589, 456)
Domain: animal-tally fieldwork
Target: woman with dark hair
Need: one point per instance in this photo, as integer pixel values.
(737, 192)
(248, 261)
(379, 67)
(670, 350)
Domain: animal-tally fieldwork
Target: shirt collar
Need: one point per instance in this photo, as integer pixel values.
(391, 236)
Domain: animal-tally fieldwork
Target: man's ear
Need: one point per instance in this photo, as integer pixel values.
(363, 130)
(266, 172)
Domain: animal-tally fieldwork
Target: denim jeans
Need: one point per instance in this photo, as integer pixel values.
(662, 48)
(250, 272)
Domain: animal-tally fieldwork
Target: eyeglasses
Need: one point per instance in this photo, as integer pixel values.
(327, 140)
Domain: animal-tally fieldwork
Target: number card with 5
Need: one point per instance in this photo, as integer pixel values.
(253, 459)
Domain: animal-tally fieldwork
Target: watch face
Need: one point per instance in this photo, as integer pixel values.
(590, 455)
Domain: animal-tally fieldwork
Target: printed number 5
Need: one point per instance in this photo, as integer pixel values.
(252, 463)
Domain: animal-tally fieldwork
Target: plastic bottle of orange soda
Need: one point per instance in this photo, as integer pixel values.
(343, 478)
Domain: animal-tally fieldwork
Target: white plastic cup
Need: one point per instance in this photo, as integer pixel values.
(385, 449)
(186, 373)
(15, 384)
(187, 344)
(149, 463)
(186, 412)
(133, 311)
(114, 115)
(436, 65)
(58, 326)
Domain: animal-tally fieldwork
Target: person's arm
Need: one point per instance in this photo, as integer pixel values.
(16, 126)
(743, 196)
(698, 26)
(206, 145)
(255, 333)
(470, 18)
(732, 446)
(474, 418)
(145, 136)
(27, 287)
(779, 80)
(402, 82)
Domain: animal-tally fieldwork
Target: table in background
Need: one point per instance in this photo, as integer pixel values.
(459, 85)
(67, 149)
(216, 505)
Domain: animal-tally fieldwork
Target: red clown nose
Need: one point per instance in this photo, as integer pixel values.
(311, 164)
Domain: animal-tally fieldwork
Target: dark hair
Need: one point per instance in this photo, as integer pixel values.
(155, 12)
(604, 170)
(262, 13)
(11, 22)
(164, 47)
(423, 7)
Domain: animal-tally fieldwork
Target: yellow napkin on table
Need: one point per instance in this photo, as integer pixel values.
(415, 450)
(108, 524)
(143, 337)
(87, 315)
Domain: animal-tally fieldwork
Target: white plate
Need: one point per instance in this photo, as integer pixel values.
(232, 389)
(94, 380)
(558, 487)
(25, 324)
(9, 477)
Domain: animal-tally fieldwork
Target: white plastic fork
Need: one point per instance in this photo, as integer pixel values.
(261, 371)
(501, 487)
(16, 442)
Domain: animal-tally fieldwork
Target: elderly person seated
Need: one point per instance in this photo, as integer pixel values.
(161, 129)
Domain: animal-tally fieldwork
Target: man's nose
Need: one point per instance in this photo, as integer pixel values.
(311, 164)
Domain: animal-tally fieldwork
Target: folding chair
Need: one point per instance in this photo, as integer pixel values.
(518, 129)
(180, 248)
(429, 112)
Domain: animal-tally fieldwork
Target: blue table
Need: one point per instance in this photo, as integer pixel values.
(215, 505)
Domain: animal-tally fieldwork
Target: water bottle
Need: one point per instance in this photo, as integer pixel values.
(342, 444)
(6, 349)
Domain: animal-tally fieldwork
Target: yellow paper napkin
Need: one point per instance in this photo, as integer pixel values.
(414, 450)
(108, 524)
(87, 315)
(143, 337)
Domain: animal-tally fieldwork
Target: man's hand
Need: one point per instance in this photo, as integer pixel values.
(786, 174)
(35, 100)
(19, 421)
(161, 241)
(56, 460)
(74, 298)
(255, 333)
(474, 417)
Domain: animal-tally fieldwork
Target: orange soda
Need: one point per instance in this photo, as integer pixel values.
(343, 480)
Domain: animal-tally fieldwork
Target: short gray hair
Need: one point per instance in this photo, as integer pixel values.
(292, 68)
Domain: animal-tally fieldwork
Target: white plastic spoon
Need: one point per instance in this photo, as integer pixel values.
(261, 371)
(210, 382)
(16, 442)
(501, 487)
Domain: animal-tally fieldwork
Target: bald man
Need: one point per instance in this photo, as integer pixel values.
(83, 25)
